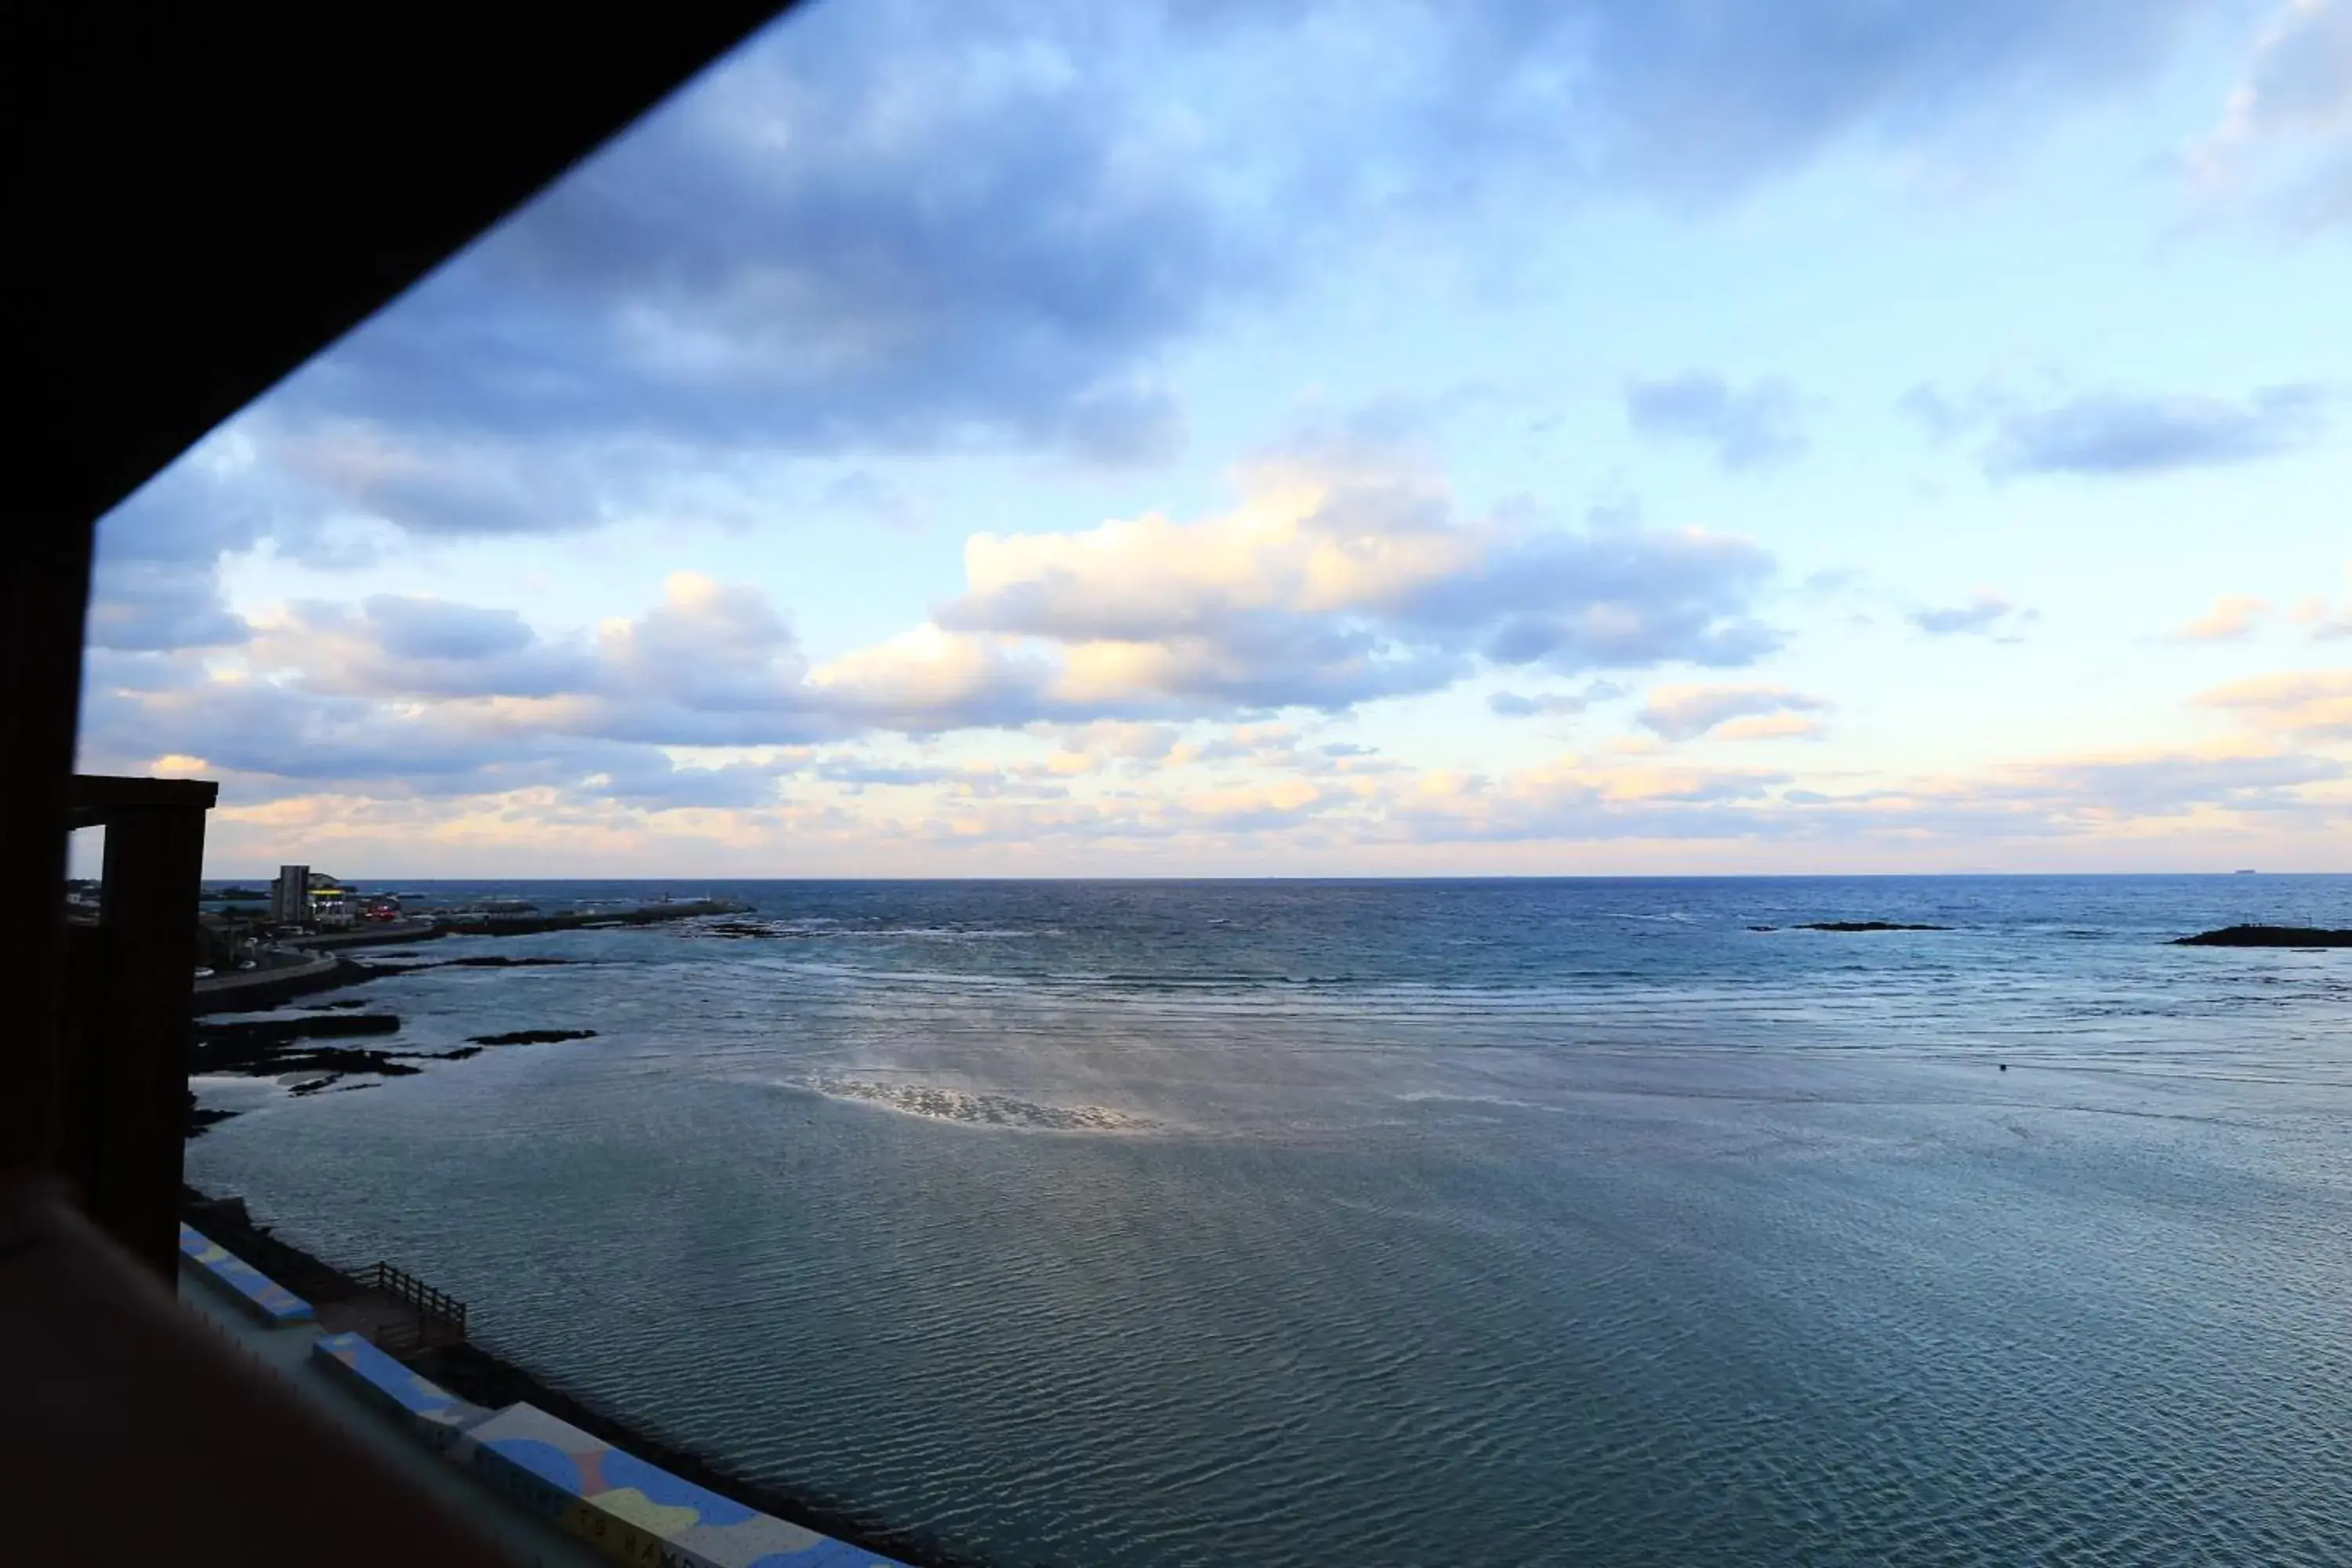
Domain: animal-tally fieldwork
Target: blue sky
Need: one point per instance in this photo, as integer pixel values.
(1366, 438)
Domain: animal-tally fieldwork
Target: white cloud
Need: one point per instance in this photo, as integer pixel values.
(1686, 712)
(1327, 586)
(1552, 705)
(2307, 704)
(1986, 614)
(2232, 618)
(2284, 139)
(1749, 427)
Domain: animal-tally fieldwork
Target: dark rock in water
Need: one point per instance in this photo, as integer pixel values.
(1866, 925)
(264, 1047)
(278, 1031)
(330, 1058)
(533, 1036)
(201, 1117)
(335, 1064)
(2267, 936)
(1763, 928)
(209, 1215)
(332, 1006)
(247, 1046)
(479, 960)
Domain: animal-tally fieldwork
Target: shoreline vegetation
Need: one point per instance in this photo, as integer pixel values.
(475, 1373)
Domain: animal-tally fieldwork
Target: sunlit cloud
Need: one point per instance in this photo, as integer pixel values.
(2309, 704)
(1686, 712)
(2232, 618)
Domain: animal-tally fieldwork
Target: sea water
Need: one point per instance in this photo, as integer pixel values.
(1132, 1224)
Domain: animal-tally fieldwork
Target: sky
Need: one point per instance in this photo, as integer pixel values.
(1497, 437)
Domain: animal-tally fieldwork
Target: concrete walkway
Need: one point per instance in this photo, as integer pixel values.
(286, 1353)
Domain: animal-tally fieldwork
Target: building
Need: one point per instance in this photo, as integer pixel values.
(289, 896)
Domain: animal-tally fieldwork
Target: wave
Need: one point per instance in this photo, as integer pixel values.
(979, 1110)
(756, 928)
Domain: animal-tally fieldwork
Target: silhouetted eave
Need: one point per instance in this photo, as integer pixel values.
(204, 197)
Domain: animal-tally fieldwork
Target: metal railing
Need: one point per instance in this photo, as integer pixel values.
(438, 1308)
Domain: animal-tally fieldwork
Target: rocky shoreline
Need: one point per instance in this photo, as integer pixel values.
(284, 1048)
(321, 967)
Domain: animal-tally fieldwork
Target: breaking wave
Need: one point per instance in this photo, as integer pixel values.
(979, 1110)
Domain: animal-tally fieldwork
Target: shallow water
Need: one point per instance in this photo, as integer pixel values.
(1411, 1222)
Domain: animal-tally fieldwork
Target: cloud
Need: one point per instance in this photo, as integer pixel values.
(2326, 627)
(1984, 614)
(1553, 705)
(1937, 414)
(652, 782)
(426, 629)
(928, 680)
(1750, 428)
(880, 228)
(2166, 783)
(2300, 80)
(2116, 434)
(1709, 99)
(404, 649)
(2325, 623)
(1575, 800)
(1773, 727)
(2232, 618)
(2308, 705)
(1328, 585)
(154, 584)
(151, 605)
(869, 228)
(1686, 712)
(865, 495)
(1323, 589)
(2286, 136)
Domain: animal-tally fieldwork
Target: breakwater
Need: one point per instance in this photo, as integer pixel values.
(252, 990)
(532, 921)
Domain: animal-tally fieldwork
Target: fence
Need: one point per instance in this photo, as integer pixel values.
(440, 1317)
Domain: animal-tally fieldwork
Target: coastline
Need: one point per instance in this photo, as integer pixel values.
(260, 989)
(475, 1373)
(323, 968)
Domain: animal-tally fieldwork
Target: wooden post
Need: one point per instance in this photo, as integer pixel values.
(136, 1102)
(43, 589)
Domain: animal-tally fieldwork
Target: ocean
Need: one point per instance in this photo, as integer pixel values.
(1130, 1225)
